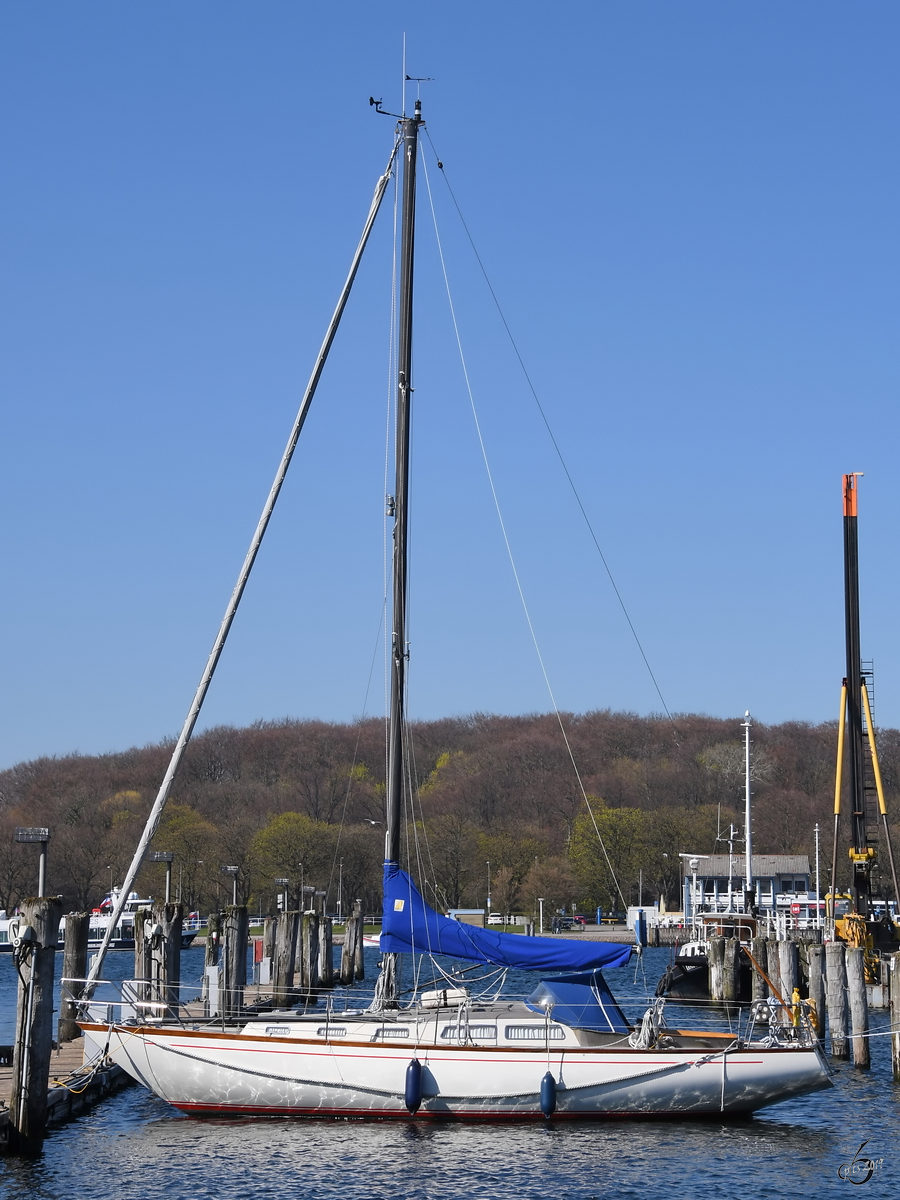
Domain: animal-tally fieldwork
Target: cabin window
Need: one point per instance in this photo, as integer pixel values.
(472, 1031)
(331, 1031)
(535, 1033)
(278, 1030)
(392, 1031)
(4, 936)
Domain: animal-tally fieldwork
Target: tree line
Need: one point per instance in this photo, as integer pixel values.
(495, 801)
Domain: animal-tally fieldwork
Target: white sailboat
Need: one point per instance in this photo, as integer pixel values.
(566, 1051)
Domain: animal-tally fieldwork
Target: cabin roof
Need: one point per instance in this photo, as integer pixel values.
(764, 865)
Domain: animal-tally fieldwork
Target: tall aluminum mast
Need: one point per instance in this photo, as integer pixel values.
(409, 130)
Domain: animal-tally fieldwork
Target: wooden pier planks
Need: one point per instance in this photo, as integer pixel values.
(64, 1104)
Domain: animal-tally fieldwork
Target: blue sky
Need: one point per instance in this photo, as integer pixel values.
(689, 213)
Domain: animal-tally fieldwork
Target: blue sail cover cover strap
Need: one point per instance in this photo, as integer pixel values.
(408, 924)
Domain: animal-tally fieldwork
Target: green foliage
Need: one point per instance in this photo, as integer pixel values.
(498, 789)
(289, 840)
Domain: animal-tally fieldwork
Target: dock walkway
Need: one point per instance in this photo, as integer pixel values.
(72, 1088)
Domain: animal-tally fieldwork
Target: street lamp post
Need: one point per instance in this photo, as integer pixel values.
(42, 836)
(541, 903)
(340, 902)
(285, 883)
(233, 872)
(489, 889)
(693, 865)
(166, 856)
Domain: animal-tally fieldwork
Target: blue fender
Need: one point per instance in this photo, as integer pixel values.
(413, 1094)
(548, 1095)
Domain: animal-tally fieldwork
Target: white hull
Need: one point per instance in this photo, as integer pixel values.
(206, 1073)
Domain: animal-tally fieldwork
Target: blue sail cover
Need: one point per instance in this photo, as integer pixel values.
(582, 1001)
(408, 924)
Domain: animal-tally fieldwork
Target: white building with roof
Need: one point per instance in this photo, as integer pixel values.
(778, 881)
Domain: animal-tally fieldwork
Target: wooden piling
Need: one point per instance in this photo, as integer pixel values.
(360, 961)
(895, 1015)
(732, 971)
(773, 967)
(270, 928)
(211, 961)
(349, 950)
(789, 969)
(309, 969)
(286, 933)
(165, 955)
(78, 928)
(326, 956)
(34, 1025)
(235, 934)
(716, 961)
(859, 1008)
(816, 987)
(836, 992)
(213, 939)
(759, 989)
(143, 921)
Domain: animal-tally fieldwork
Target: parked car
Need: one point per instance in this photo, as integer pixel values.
(496, 919)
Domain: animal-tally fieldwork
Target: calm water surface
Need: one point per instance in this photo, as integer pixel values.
(136, 1146)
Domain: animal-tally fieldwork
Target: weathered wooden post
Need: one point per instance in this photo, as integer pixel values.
(895, 1015)
(759, 989)
(286, 936)
(78, 928)
(350, 951)
(716, 960)
(326, 957)
(143, 923)
(359, 946)
(165, 956)
(34, 1023)
(816, 959)
(773, 967)
(267, 966)
(213, 938)
(836, 986)
(235, 934)
(731, 978)
(211, 966)
(309, 970)
(859, 1008)
(789, 970)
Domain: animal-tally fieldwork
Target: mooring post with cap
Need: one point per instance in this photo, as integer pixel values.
(34, 950)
